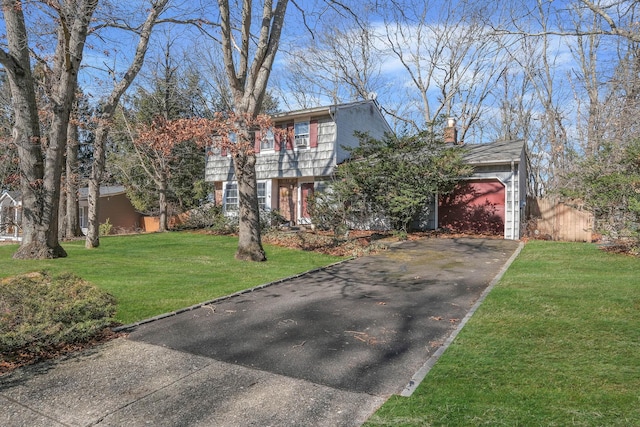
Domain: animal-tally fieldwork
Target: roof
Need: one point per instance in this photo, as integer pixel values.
(497, 152)
(315, 111)
(13, 195)
(105, 191)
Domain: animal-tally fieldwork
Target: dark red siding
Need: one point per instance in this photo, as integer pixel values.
(474, 207)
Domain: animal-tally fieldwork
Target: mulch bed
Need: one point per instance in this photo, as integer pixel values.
(622, 248)
(16, 360)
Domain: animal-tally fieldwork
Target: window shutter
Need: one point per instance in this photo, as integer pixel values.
(313, 134)
(276, 138)
(258, 139)
(290, 136)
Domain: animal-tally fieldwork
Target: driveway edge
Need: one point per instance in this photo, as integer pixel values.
(125, 328)
(417, 378)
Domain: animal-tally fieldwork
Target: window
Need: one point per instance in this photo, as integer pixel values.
(82, 211)
(267, 142)
(262, 196)
(301, 132)
(231, 197)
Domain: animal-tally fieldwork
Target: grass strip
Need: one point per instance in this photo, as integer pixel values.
(151, 274)
(556, 343)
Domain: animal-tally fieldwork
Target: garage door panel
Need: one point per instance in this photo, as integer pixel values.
(474, 207)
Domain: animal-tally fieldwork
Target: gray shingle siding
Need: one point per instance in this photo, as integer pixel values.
(336, 128)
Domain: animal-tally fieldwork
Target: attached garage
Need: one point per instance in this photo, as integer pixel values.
(491, 200)
(474, 207)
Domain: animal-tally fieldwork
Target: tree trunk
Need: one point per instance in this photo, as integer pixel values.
(62, 211)
(40, 177)
(108, 109)
(95, 179)
(163, 205)
(248, 84)
(72, 221)
(250, 242)
(26, 135)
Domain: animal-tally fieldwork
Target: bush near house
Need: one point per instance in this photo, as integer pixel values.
(388, 183)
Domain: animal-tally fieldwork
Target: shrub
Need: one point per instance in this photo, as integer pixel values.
(105, 228)
(204, 216)
(213, 217)
(39, 312)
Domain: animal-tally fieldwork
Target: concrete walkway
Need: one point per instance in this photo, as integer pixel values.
(324, 349)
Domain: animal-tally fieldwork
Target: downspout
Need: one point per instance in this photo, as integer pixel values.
(513, 201)
(333, 110)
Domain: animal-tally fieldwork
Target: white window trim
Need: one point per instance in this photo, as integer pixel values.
(306, 136)
(267, 196)
(225, 196)
(272, 139)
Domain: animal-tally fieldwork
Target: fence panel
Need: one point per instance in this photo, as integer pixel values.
(552, 219)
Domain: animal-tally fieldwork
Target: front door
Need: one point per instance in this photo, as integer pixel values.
(306, 191)
(287, 193)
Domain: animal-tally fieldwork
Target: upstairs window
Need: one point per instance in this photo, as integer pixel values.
(301, 134)
(268, 141)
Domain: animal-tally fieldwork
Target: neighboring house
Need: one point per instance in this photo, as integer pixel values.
(114, 206)
(492, 200)
(10, 216)
(289, 170)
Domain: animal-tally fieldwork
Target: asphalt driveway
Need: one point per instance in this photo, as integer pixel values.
(325, 348)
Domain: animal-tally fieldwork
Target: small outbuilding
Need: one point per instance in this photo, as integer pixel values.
(114, 207)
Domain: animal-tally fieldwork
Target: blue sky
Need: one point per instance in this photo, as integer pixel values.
(111, 50)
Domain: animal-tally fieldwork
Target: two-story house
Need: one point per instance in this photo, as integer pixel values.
(290, 169)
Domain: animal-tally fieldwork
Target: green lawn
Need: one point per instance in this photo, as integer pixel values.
(556, 343)
(151, 274)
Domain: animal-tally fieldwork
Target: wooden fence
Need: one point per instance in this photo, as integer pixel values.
(551, 219)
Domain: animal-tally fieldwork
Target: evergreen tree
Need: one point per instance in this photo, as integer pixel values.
(391, 181)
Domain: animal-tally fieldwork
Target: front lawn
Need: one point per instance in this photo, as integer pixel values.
(151, 274)
(556, 343)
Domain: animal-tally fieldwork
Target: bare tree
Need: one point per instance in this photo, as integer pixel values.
(69, 211)
(41, 164)
(449, 55)
(336, 64)
(588, 80)
(107, 109)
(248, 78)
(619, 18)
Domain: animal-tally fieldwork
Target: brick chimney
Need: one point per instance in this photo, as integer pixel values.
(451, 132)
